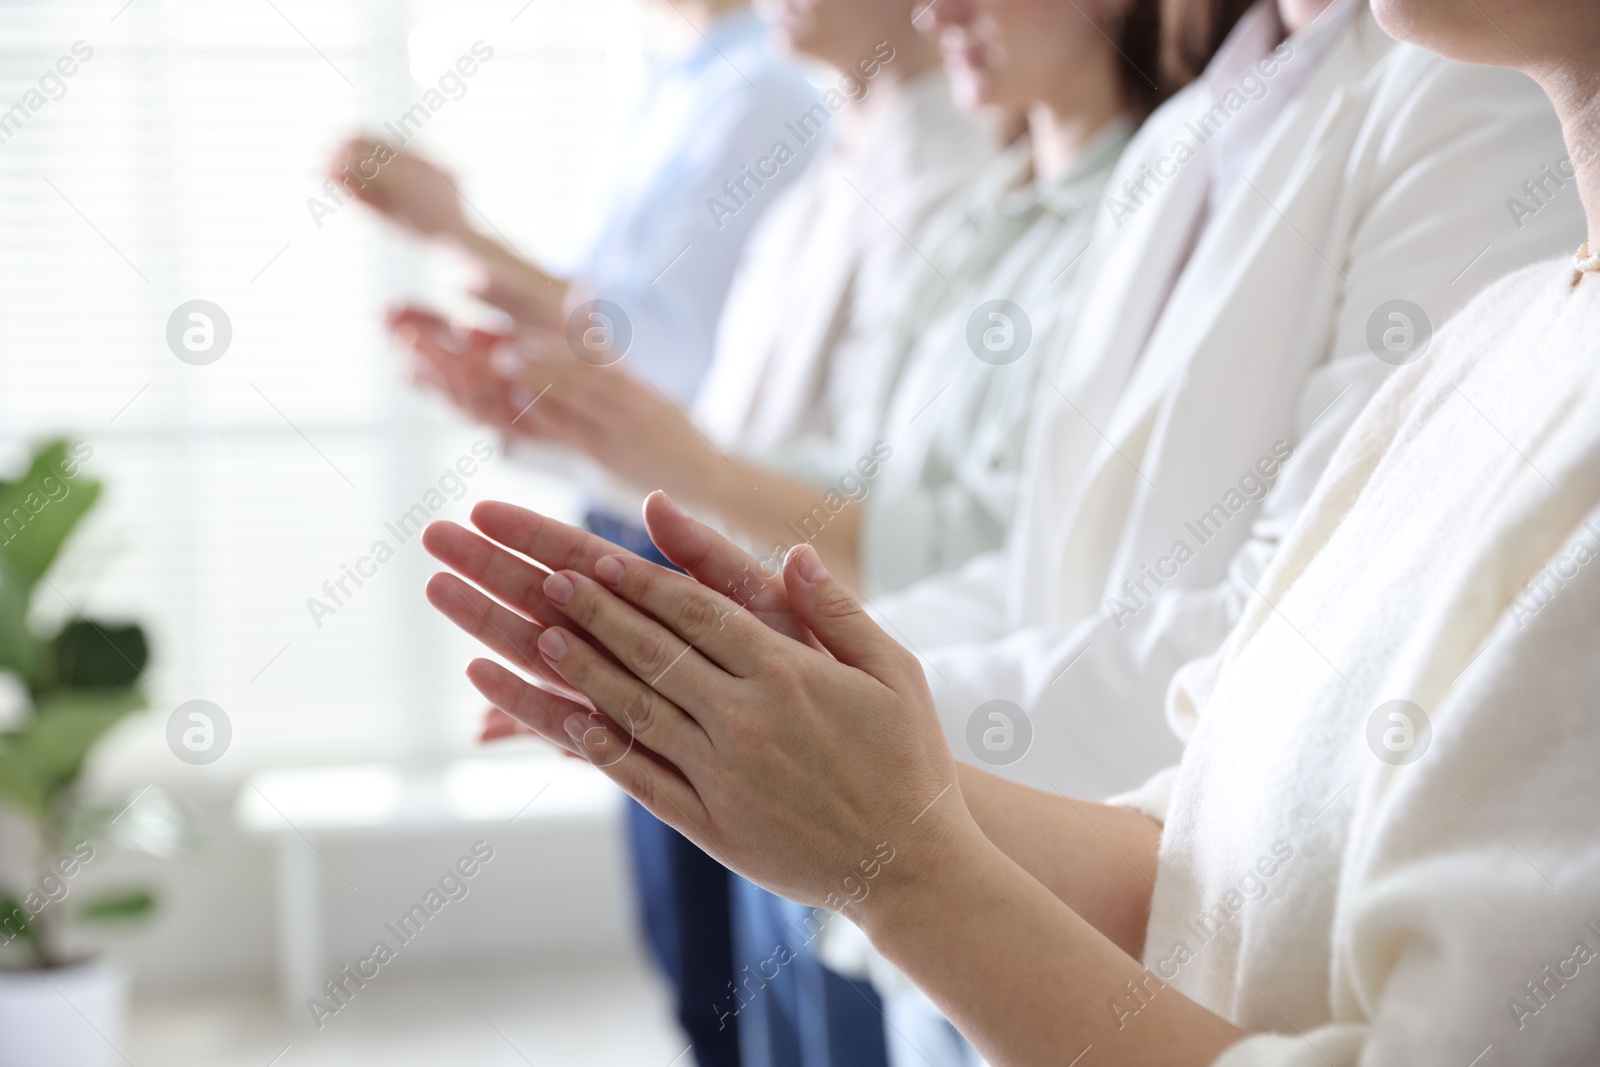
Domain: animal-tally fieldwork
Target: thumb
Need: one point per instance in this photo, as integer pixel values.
(824, 604)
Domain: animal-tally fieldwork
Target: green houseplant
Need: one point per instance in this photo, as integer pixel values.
(66, 688)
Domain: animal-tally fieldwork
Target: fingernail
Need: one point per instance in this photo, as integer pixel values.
(553, 643)
(811, 568)
(558, 587)
(576, 728)
(609, 569)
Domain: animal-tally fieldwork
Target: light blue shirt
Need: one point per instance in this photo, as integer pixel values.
(697, 168)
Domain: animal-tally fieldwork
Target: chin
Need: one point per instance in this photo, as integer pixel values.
(1405, 20)
(1455, 29)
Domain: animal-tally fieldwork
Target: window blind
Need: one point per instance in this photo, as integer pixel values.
(176, 163)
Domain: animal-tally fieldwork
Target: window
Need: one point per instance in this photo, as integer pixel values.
(176, 163)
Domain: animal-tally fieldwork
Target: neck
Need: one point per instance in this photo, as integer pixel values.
(1061, 127)
(1574, 89)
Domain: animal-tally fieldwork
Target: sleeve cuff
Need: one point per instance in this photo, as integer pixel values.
(1153, 798)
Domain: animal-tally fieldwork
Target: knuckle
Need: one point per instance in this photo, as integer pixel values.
(638, 711)
(648, 654)
(837, 604)
(696, 617)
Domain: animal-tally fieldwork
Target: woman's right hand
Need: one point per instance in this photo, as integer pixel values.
(402, 186)
(512, 617)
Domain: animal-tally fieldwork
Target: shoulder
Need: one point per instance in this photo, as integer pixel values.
(1505, 316)
(1527, 301)
(1425, 99)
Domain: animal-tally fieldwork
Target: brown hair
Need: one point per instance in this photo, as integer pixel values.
(1165, 44)
(1191, 33)
(1139, 41)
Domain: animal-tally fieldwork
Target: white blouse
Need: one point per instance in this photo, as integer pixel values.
(946, 370)
(1382, 843)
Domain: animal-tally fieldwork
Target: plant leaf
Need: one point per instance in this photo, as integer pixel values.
(54, 744)
(40, 510)
(15, 924)
(19, 786)
(87, 654)
(123, 905)
(16, 642)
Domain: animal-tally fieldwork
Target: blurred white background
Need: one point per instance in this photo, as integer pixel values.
(178, 164)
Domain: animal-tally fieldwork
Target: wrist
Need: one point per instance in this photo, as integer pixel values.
(931, 869)
(475, 244)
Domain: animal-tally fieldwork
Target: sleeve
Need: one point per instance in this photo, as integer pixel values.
(1434, 231)
(1153, 798)
(1469, 917)
(685, 242)
(911, 531)
(956, 607)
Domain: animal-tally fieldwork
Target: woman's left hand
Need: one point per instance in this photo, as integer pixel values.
(808, 771)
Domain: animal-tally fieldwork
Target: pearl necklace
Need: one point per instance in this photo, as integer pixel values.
(1584, 263)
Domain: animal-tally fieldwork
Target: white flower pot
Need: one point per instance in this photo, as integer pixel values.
(64, 1017)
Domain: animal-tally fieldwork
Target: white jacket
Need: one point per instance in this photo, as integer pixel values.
(1380, 846)
(1385, 179)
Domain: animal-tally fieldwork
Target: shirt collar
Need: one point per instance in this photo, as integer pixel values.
(1016, 193)
(1261, 30)
(1256, 75)
(727, 32)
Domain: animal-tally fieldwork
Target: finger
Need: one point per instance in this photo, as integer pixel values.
(543, 713)
(644, 775)
(509, 579)
(497, 725)
(554, 544)
(486, 340)
(844, 629)
(711, 558)
(501, 631)
(643, 714)
(715, 626)
(414, 314)
(656, 657)
(446, 345)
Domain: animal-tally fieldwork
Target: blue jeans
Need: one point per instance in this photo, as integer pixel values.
(793, 1011)
(682, 893)
(683, 898)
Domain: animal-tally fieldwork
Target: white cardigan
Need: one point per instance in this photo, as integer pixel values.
(832, 249)
(1385, 178)
(1369, 901)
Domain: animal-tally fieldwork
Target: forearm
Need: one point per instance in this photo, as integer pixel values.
(774, 508)
(1097, 859)
(512, 271)
(1025, 978)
